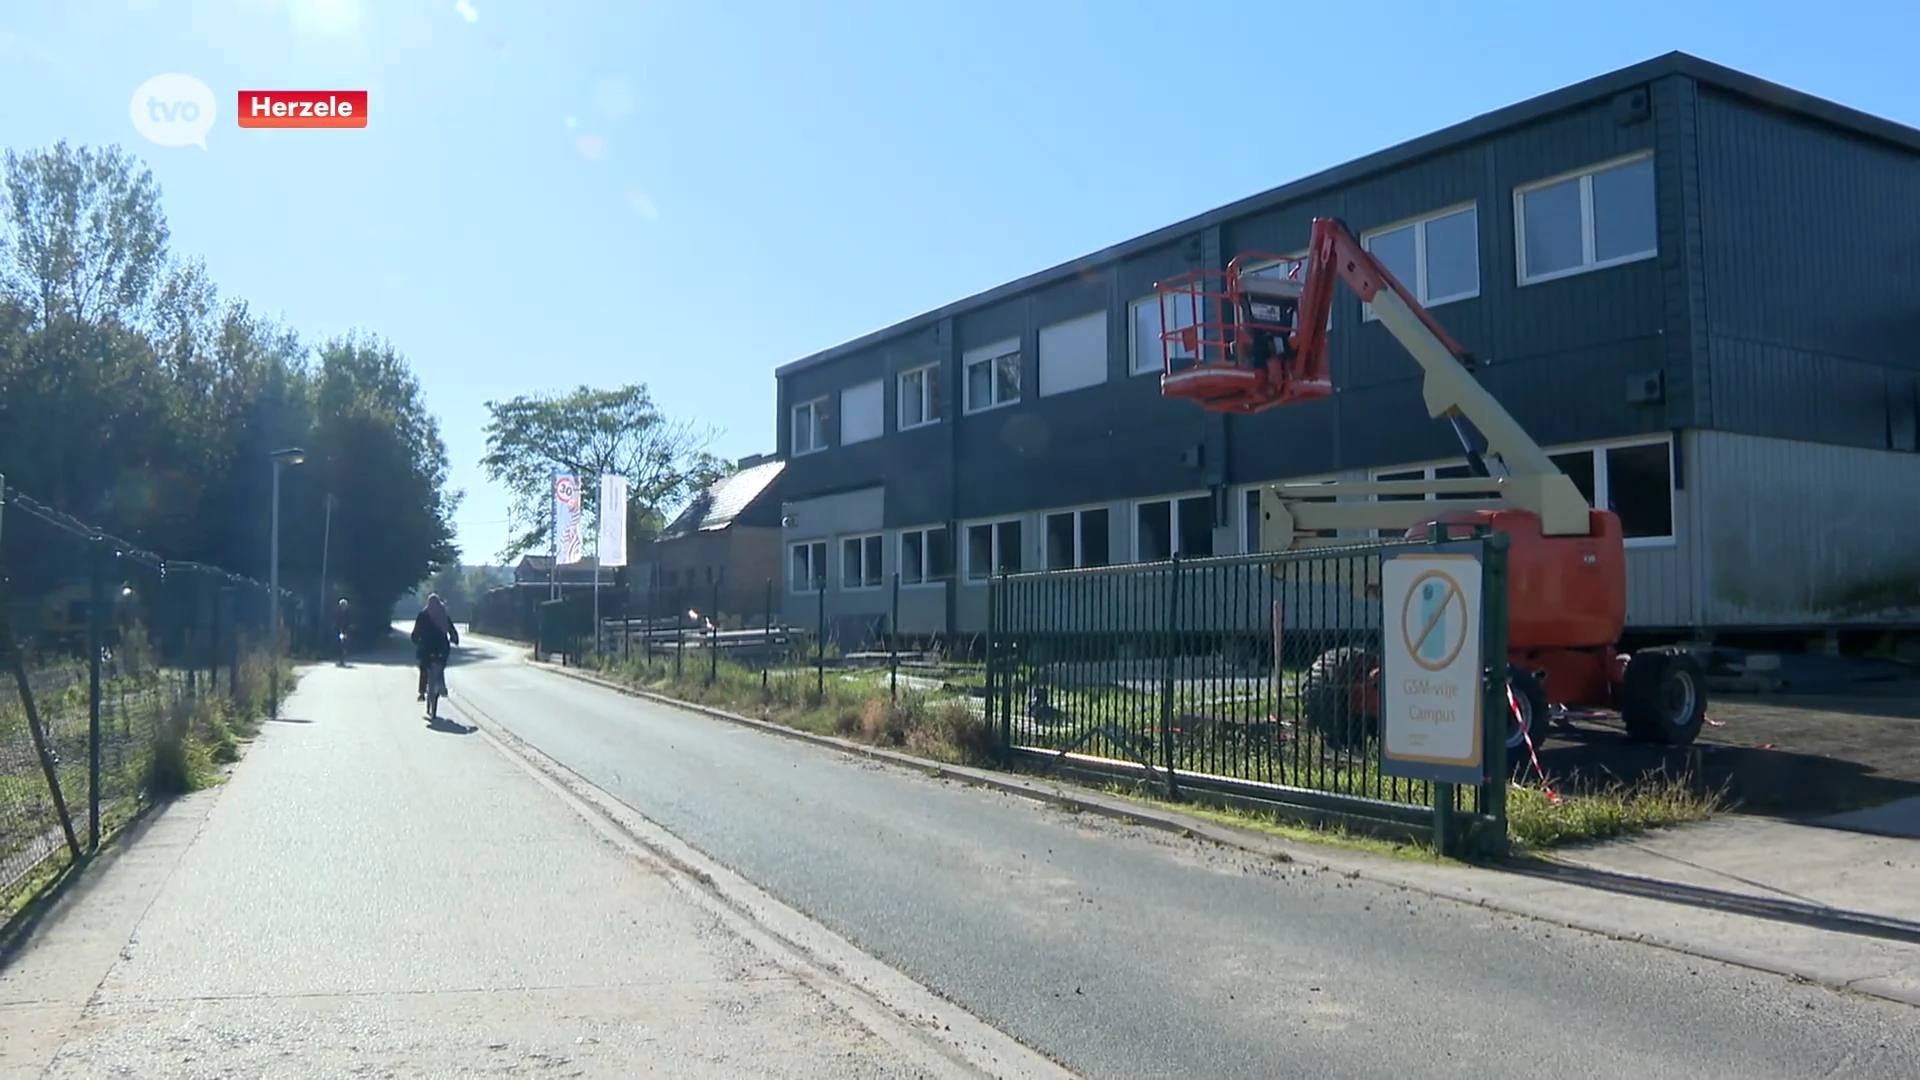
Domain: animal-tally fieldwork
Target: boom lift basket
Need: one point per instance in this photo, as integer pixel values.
(1228, 337)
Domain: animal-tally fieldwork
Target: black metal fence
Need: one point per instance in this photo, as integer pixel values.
(1251, 678)
(702, 639)
(108, 655)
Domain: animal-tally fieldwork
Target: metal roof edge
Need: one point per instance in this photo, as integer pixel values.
(1477, 127)
(1785, 97)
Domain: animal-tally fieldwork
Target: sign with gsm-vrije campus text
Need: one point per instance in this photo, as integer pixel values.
(1431, 701)
(303, 108)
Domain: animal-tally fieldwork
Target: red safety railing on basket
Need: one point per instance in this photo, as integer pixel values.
(1208, 322)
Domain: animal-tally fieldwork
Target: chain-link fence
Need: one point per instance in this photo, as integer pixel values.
(124, 677)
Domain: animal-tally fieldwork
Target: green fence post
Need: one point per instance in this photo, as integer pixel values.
(1493, 603)
(999, 612)
(1171, 644)
(992, 688)
(766, 641)
(893, 643)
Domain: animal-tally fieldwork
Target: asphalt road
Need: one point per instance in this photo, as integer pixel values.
(1128, 953)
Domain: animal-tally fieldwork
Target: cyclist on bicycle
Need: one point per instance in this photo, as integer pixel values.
(342, 623)
(434, 637)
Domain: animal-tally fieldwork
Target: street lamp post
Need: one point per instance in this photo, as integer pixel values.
(281, 458)
(326, 543)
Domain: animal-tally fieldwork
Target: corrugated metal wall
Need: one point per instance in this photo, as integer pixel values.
(1661, 579)
(1801, 534)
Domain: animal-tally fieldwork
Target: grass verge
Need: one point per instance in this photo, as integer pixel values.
(946, 728)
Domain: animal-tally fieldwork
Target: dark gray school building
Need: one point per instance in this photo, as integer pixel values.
(1698, 289)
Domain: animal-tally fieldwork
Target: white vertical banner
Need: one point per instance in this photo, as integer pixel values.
(569, 546)
(612, 547)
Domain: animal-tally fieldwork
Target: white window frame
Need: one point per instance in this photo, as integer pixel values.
(1602, 493)
(1079, 537)
(841, 565)
(1419, 284)
(1588, 263)
(1173, 521)
(1252, 268)
(880, 428)
(965, 549)
(991, 354)
(927, 581)
(928, 374)
(1602, 483)
(1243, 525)
(815, 406)
(815, 573)
(1152, 363)
(1098, 318)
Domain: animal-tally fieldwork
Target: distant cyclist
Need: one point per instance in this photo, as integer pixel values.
(434, 637)
(342, 622)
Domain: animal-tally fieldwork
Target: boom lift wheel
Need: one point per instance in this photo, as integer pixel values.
(1531, 695)
(1663, 696)
(1337, 695)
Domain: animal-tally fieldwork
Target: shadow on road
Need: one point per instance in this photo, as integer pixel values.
(1817, 916)
(449, 726)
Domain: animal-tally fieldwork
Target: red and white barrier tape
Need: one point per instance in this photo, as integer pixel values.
(1513, 703)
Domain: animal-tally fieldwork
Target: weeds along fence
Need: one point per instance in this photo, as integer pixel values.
(122, 675)
(1253, 679)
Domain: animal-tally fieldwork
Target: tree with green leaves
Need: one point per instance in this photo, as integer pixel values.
(590, 433)
(135, 398)
(86, 238)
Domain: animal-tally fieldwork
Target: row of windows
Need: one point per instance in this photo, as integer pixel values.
(1634, 480)
(1598, 217)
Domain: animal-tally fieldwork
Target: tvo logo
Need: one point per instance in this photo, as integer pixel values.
(173, 110)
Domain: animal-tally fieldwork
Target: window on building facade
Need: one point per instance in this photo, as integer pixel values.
(1438, 257)
(993, 547)
(1145, 319)
(863, 412)
(1077, 538)
(860, 562)
(993, 375)
(1599, 217)
(1635, 481)
(919, 404)
(808, 427)
(1164, 528)
(926, 556)
(1073, 354)
(807, 566)
(1281, 270)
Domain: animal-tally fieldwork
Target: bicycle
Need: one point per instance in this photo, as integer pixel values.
(436, 685)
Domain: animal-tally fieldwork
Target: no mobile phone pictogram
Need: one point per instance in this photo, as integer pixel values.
(303, 108)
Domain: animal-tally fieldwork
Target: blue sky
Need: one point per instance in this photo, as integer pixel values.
(688, 193)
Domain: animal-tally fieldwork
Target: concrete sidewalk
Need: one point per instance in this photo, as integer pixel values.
(368, 894)
(1817, 867)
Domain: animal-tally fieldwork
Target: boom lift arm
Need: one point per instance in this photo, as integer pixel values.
(1260, 357)
(1566, 567)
